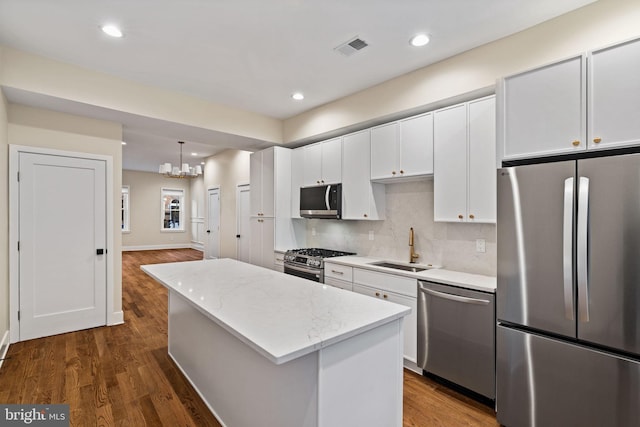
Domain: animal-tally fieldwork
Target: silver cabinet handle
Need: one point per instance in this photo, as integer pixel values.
(582, 249)
(455, 297)
(567, 248)
(337, 272)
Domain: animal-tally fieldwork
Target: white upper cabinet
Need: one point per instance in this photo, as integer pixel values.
(402, 149)
(544, 110)
(464, 162)
(614, 96)
(323, 163)
(297, 180)
(262, 176)
(361, 199)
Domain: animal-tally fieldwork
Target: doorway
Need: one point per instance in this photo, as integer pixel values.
(243, 235)
(61, 215)
(213, 230)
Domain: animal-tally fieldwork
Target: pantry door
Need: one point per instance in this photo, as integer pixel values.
(62, 244)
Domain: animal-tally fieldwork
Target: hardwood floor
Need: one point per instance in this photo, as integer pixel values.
(122, 375)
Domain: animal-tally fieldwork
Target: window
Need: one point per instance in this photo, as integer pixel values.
(172, 210)
(124, 203)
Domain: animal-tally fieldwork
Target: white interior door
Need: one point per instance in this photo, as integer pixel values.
(213, 230)
(62, 244)
(243, 235)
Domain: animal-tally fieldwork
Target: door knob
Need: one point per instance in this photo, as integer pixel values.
(237, 236)
(100, 251)
(208, 231)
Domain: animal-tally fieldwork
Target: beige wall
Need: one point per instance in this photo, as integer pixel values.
(598, 24)
(4, 218)
(226, 170)
(37, 74)
(47, 129)
(145, 212)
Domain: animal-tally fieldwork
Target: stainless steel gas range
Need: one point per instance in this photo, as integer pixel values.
(309, 263)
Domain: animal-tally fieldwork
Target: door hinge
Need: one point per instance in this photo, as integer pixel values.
(18, 245)
(18, 314)
(18, 173)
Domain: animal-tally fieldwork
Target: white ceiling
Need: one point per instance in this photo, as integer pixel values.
(251, 54)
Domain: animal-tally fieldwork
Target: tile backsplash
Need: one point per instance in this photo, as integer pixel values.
(410, 204)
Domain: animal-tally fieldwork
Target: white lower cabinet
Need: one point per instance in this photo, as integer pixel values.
(337, 283)
(262, 242)
(278, 261)
(410, 322)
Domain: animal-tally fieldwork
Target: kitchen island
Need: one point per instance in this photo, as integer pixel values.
(269, 349)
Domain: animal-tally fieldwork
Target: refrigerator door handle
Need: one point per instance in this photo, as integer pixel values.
(567, 248)
(582, 249)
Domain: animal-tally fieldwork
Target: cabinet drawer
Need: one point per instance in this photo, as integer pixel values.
(337, 283)
(387, 282)
(338, 271)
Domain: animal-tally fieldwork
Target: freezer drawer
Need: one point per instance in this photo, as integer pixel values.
(547, 382)
(456, 336)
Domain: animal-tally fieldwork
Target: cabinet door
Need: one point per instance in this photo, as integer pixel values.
(450, 164)
(614, 104)
(416, 145)
(332, 161)
(384, 151)
(482, 161)
(410, 324)
(313, 164)
(268, 182)
(337, 283)
(544, 110)
(297, 180)
(262, 242)
(255, 177)
(356, 184)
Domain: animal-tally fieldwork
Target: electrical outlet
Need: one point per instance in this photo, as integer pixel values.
(371, 235)
(481, 245)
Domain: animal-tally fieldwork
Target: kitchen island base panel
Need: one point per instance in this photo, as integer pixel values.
(357, 381)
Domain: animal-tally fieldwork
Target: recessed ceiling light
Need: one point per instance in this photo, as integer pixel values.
(111, 30)
(202, 163)
(419, 40)
(124, 143)
(298, 96)
(194, 154)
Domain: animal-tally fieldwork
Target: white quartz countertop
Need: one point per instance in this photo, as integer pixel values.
(476, 282)
(281, 316)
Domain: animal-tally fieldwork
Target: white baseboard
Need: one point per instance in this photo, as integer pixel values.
(116, 318)
(4, 346)
(159, 247)
(197, 246)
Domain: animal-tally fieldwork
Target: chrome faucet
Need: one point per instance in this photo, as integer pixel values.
(412, 255)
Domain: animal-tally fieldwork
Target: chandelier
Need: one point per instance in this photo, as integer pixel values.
(182, 171)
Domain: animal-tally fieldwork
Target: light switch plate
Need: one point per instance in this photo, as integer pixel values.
(481, 245)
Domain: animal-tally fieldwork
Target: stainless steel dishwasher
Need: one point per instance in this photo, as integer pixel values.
(456, 335)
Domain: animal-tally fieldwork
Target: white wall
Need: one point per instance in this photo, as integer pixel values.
(48, 129)
(145, 212)
(4, 217)
(598, 24)
(226, 170)
(198, 199)
(408, 205)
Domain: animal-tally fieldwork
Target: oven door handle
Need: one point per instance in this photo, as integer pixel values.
(302, 269)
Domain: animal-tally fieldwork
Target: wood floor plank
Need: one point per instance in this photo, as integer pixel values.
(122, 375)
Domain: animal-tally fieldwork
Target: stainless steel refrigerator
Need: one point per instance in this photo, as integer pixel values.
(568, 297)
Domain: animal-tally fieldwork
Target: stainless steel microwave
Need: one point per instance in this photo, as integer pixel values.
(321, 201)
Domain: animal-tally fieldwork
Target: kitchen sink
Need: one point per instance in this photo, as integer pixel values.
(398, 266)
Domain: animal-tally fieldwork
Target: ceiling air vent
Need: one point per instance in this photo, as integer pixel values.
(351, 47)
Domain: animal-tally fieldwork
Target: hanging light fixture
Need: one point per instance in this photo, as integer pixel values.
(181, 171)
